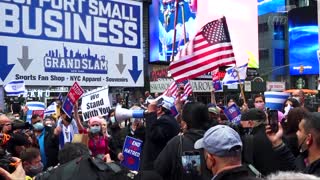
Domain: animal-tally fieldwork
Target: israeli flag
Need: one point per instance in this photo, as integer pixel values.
(275, 100)
(51, 109)
(231, 76)
(15, 88)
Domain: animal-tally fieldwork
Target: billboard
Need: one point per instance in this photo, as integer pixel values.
(197, 13)
(303, 41)
(269, 6)
(95, 42)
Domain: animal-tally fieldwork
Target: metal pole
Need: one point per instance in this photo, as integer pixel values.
(183, 22)
(175, 30)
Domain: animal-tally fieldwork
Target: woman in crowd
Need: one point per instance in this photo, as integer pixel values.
(98, 143)
(291, 126)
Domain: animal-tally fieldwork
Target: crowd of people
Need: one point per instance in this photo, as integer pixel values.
(197, 143)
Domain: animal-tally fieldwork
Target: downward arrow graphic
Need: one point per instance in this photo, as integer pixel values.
(25, 61)
(135, 73)
(5, 68)
(121, 66)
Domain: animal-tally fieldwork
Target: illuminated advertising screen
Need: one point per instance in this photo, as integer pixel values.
(197, 13)
(269, 6)
(303, 41)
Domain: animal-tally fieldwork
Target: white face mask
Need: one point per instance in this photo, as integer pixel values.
(287, 109)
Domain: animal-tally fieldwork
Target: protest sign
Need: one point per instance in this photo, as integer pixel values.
(131, 152)
(74, 94)
(233, 114)
(38, 112)
(95, 103)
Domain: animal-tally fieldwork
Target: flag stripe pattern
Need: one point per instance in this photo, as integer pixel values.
(15, 88)
(211, 49)
(187, 91)
(171, 90)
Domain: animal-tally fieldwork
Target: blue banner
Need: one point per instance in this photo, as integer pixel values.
(131, 151)
(233, 114)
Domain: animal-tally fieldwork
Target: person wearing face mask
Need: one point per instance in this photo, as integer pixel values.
(98, 143)
(299, 96)
(308, 142)
(31, 161)
(259, 102)
(257, 149)
(222, 151)
(67, 126)
(47, 141)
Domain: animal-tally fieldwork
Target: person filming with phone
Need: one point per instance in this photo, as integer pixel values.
(308, 141)
(257, 149)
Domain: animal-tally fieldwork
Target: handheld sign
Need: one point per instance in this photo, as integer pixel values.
(73, 95)
(233, 114)
(95, 103)
(38, 112)
(131, 151)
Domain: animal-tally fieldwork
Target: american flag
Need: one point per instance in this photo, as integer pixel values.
(187, 91)
(211, 49)
(173, 89)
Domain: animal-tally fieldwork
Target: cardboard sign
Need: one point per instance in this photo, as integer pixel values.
(95, 103)
(39, 112)
(75, 93)
(67, 107)
(131, 151)
(233, 114)
(217, 85)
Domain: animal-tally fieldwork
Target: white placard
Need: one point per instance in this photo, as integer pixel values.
(95, 103)
(276, 86)
(247, 86)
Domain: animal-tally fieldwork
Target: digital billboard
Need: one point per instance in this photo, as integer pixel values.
(197, 13)
(303, 41)
(269, 6)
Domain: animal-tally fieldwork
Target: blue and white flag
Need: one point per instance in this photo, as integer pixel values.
(275, 100)
(34, 105)
(15, 88)
(231, 76)
(51, 109)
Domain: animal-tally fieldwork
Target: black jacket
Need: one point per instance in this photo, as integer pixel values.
(313, 168)
(238, 173)
(158, 133)
(264, 159)
(51, 145)
(287, 158)
(169, 164)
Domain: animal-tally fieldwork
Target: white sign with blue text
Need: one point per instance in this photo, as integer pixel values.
(57, 42)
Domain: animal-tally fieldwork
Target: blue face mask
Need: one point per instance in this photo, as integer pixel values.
(95, 129)
(38, 126)
(112, 119)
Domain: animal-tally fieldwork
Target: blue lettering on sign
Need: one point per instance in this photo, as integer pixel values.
(70, 61)
(97, 22)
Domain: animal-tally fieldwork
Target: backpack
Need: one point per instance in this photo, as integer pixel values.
(247, 152)
(184, 139)
(84, 168)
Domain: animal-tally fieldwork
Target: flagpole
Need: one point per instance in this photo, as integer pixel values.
(241, 87)
(175, 29)
(183, 22)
